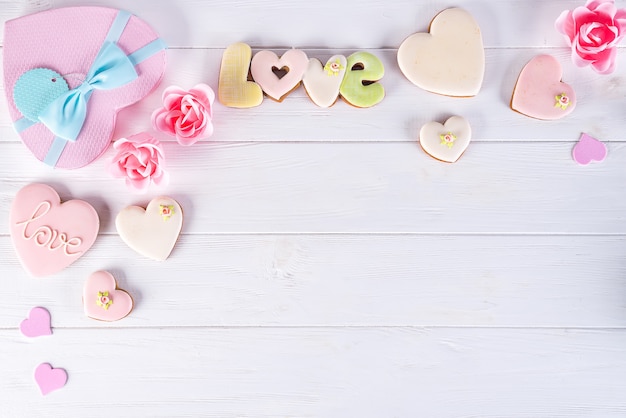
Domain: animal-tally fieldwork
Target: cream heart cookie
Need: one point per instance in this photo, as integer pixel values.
(153, 231)
(322, 82)
(234, 89)
(539, 91)
(49, 235)
(292, 63)
(102, 300)
(446, 142)
(450, 60)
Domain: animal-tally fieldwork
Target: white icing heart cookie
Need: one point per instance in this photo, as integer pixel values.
(446, 142)
(539, 91)
(153, 231)
(450, 60)
(322, 83)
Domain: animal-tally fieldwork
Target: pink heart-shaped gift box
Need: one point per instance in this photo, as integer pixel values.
(67, 41)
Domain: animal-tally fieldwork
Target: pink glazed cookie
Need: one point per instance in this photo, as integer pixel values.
(103, 300)
(49, 235)
(539, 91)
(68, 71)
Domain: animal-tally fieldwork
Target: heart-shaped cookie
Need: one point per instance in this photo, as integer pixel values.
(588, 149)
(102, 300)
(264, 64)
(539, 91)
(49, 379)
(446, 142)
(49, 235)
(450, 60)
(322, 82)
(153, 231)
(64, 101)
(234, 89)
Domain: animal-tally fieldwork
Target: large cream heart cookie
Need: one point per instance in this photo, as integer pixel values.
(153, 231)
(446, 142)
(450, 60)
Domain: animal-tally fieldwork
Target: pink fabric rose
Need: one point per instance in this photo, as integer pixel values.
(593, 32)
(186, 114)
(140, 160)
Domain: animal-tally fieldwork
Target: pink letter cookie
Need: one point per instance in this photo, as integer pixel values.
(68, 71)
(153, 231)
(49, 235)
(450, 60)
(264, 64)
(102, 299)
(540, 93)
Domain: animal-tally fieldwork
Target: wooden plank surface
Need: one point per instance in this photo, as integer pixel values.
(327, 266)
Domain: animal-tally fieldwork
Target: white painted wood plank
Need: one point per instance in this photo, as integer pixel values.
(367, 187)
(337, 280)
(398, 372)
(399, 116)
(361, 24)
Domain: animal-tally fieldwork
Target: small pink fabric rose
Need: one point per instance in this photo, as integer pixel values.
(140, 160)
(593, 32)
(186, 114)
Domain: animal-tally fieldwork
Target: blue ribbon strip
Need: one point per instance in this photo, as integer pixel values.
(111, 69)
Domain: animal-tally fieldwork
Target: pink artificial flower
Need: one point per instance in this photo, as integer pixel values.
(186, 114)
(593, 32)
(140, 160)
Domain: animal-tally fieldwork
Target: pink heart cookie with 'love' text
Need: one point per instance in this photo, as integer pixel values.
(264, 63)
(37, 324)
(540, 93)
(588, 149)
(102, 299)
(49, 235)
(49, 379)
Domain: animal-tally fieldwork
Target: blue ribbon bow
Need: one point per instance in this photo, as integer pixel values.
(111, 69)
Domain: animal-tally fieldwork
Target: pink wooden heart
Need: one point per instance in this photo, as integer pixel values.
(540, 93)
(37, 324)
(294, 60)
(49, 235)
(49, 379)
(102, 299)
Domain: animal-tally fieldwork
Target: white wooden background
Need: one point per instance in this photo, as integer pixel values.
(328, 267)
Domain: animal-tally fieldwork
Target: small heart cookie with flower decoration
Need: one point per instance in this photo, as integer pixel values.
(152, 231)
(103, 300)
(448, 141)
(539, 91)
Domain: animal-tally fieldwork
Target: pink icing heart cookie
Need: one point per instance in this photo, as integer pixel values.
(102, 300)
(68, 71)
(539, 91)
(153, 231)
(49, 235)
(49, 379)
(446, 142)
(37, 324)
(264, 64)
(450, 60)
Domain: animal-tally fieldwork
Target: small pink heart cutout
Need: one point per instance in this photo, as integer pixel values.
(49, 235)
(49, 379)
(37, 324)
(588, 149)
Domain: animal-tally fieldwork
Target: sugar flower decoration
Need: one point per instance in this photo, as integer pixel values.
(140, 160)
(593, 32)
(186, 115)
